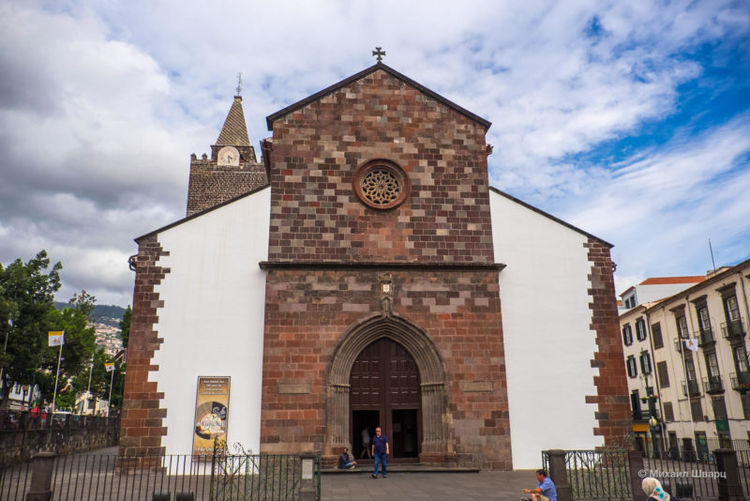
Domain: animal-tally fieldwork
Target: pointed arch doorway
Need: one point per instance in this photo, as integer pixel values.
(385, 391)
(434, 445)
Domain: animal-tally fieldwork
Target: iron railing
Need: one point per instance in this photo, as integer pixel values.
(23, 434)
(596, 475)
(733, 329)
(218, 477)
(705, 336)
(690, 388)
(713, 384)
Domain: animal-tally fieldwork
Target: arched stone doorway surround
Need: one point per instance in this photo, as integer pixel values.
(435, 444)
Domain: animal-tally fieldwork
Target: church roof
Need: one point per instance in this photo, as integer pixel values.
(270, 119)
(550, 216)
(234, 132)
(200, 213)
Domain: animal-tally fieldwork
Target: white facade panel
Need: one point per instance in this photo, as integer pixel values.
(546, 327)
(212, 318)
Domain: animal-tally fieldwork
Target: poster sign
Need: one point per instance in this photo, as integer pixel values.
(211, 412)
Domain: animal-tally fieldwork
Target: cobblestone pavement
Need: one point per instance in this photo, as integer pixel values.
(504, 485)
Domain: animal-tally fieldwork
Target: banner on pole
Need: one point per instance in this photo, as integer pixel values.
(109, 366)
(56, 338)
(211, 412)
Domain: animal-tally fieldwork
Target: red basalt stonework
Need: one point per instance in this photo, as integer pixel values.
(612, 399)
(141, 425)
(316, 217)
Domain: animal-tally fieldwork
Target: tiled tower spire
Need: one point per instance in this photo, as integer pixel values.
(234, 132)
(231, 170)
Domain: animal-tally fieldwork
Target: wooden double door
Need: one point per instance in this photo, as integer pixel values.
(385, 392)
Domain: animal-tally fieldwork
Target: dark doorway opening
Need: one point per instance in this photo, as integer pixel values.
(385, 391)
(405, 433)
(363, 420)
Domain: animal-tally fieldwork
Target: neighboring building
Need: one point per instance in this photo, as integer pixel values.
(655, 288)
(360, 284)
(702, 399)
(20, 396)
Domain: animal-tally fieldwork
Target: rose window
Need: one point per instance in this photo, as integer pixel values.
(381, 184)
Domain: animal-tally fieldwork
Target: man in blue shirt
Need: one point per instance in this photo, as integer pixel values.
(545, 489)
(380, 450)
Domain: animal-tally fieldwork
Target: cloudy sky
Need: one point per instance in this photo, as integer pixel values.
(628, 119)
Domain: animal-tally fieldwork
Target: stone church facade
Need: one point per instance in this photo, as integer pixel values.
(368, 258)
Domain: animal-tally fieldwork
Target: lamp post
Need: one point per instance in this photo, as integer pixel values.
(5, 349)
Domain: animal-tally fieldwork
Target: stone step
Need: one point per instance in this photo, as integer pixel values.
(404, 468)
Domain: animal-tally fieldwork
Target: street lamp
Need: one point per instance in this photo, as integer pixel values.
(5, 349)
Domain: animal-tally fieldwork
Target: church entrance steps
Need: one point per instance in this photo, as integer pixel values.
(403, 468)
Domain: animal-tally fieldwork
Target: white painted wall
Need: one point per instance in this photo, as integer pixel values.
(548, 342)
(212, 319)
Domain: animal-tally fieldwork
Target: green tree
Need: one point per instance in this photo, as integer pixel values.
(125, 326)
(27, 292)
(84, 302)
(80, 343)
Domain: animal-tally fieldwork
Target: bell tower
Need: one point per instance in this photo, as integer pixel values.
(232, 169)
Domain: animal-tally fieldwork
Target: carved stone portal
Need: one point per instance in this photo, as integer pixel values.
(435, 441)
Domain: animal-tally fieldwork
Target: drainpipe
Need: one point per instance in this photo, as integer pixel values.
(696, 366)
(744, 297)
(656, 379)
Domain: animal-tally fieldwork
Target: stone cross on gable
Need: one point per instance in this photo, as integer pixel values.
(379, 53)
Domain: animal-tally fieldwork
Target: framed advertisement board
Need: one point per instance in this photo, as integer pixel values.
(211, 413)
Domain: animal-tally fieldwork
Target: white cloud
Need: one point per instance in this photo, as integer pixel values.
(101, 104)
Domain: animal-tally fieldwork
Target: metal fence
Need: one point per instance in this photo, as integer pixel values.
(596, 475)
(606, 474)
(23, 434)
(219, 477)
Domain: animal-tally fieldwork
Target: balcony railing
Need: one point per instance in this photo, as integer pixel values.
(740, 381)
(713, 384)
(691, 388)
(705, 336)
(733, 329)
(643, 414)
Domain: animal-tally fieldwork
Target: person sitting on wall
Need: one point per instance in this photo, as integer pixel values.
(545, 489)
(345, 461)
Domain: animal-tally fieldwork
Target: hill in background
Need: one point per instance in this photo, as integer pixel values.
(107, 314)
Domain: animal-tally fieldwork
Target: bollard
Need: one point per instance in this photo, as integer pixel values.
(41, 477)
(307, 491)
(559, 474)
(635, 469)
(729, 483)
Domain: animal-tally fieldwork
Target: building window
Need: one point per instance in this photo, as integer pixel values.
(712, 364)
(632, 367)
(627, 335)
(704, 319)
(682, 329)
(640, 329)
(381, 184)
(656, 336)
(690, 367)
(740, 359)
(645, 363)
(731, 310)
(696, 411)
(661, 370)
(630, 301)
(668, 411)
(720, 408)
(746, 406)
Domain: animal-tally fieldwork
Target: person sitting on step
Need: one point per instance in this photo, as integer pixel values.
(345, 461)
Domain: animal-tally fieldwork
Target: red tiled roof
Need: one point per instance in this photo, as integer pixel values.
(673, 280)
